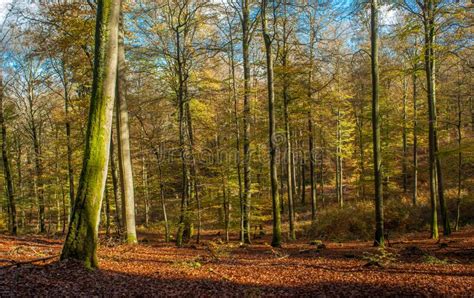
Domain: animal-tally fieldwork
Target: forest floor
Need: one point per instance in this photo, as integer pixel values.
(411, 266)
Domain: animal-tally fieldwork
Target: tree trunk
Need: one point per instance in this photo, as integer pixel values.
(415, 139)
(460, 175)
(107, 211)
(339, 186)
(237, 130)
(70, 168)
(312, 159)
(436, 182)
(247, 119)
(404, 138)
(289, 167)
(115, 186)
(19, 173)
(146, 197)
(303, 179)
(123, 143)
(226, 207)
(276, 237)
(379, 234)
(81, 240)
(39, 186)
(6, 163)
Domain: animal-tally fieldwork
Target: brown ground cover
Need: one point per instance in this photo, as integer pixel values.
(412, 266)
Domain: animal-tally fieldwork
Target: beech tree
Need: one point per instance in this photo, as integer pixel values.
(379, 234)
(82, 237)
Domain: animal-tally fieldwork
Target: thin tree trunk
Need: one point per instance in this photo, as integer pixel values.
(226, 207)
(415, 139)
(289, 167)
(276, 237)
(39, 187)
(19, 168)
(339, 186)
(70, 168)
(321, 164)
(282, 182)
(123, 142)
(115, 186)
(107, 211)
(428, 23)
(404, 138)
(379, 234)
(146, 197)
(82, 237)
(6, 163)
(303, 179)
(460, 175)
(237, 129)
(247, 119)
(312, 160)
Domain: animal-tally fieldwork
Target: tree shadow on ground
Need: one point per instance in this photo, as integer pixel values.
(70, 279)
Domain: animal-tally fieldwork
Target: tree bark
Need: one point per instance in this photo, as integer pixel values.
(81, 240)
(123, 142)
(415, 139)
(339, 186)
(115, 186)
(379, 233)
(6, 163)
(237, 129)
(146, 198)
(404, 137)
(312, 160)
(276, 237)
(246, 121)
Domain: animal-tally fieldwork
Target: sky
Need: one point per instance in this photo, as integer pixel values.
(3, 8)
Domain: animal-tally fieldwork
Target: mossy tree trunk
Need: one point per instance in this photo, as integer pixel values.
(81, 240)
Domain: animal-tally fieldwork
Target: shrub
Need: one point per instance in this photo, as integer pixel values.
(356, 221)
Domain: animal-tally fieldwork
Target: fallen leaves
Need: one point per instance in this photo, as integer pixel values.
(219, 269)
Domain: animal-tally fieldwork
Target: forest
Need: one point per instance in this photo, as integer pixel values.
(237, 148)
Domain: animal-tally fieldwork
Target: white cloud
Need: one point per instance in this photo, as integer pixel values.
(3, 8)
(388, 15)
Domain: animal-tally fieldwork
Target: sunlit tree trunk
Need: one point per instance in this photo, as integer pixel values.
(81, 240)
(246, 120)
(379, 234)
(123, 144)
